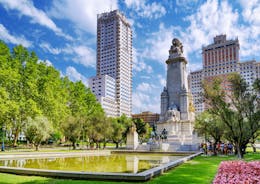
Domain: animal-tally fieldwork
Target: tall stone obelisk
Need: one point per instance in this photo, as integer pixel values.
(176, 117)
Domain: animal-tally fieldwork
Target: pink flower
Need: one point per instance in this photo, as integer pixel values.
(238, 172)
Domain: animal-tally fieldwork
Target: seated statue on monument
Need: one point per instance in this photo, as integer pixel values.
(172, 113)
(176, 49)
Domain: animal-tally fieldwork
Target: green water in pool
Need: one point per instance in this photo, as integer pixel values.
(115, 163)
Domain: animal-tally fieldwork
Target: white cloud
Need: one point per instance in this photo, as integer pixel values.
(251, 11)
(47, 62)
(7, 37)
(74, 75)
(159, 44)
(138, 63)
(85, 56)
(146, 96)
(81, 54)
(162, 80)
(212, 18)
(144, 87)
(146, 10)
(25, 7)
(194, 66)
(48, 48)
(145, 102)
(218, 17)
(142, 66)
(81, 12)
(186, 5)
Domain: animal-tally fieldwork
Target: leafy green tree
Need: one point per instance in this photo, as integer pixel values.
(82, 103)
(8, 82)
(120, 126)
(37, 130)
(52, 95)
(107, 130)
(24, 92)
(210, 126)
(238, 110)
(143, 129)
(96, 125)
(72, 128)
(118, 131)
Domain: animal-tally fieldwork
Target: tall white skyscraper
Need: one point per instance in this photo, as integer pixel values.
(114, 57)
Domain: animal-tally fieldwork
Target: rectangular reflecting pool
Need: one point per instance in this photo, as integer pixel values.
(110, 163)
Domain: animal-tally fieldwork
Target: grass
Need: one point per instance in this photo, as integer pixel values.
(200, 170)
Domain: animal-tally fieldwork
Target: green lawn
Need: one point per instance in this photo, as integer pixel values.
(200, 170)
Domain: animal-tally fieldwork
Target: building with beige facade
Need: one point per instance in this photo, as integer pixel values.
(148, 117)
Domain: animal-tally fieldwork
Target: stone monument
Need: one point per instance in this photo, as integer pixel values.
(132, 138)
(177, 111)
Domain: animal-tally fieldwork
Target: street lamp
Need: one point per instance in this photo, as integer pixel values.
(3, 138)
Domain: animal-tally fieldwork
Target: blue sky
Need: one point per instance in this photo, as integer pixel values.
(63, 33)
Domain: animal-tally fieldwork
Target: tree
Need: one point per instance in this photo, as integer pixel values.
(120, 126)
(72, 128)
(238, 110)
(143, 129)
(107, 131)
(9, 78)
(209, 125)
(24, 91)
(82, 103)
(37, 130)
(96, 125)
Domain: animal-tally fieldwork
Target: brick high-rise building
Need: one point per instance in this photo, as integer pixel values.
(114, 57)
(220, 59)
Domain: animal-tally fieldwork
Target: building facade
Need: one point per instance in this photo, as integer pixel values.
(248, 70)
(114, 57)
(147, 117)
(195, 85)
(104, 88)
(220, 59)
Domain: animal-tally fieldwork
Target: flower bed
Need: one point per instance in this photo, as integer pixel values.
(238, 172)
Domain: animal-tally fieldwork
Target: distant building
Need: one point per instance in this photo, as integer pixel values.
(114, 59)
(148, 117)
(104, 89)
(195, 85)
(220, 59)
(247, 70)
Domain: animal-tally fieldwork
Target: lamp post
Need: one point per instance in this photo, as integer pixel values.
(3, 139)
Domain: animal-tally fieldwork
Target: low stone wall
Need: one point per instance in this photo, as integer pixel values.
(53, 154)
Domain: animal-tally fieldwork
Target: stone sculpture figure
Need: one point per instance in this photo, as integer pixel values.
(177, 47)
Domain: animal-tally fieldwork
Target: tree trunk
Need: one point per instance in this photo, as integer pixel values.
(215, 148)
(104, 144)
(240, 153)
(37, 147)
(117, 145)
(97, 146)
(253, 146)
(74, 145)
(16, 134)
